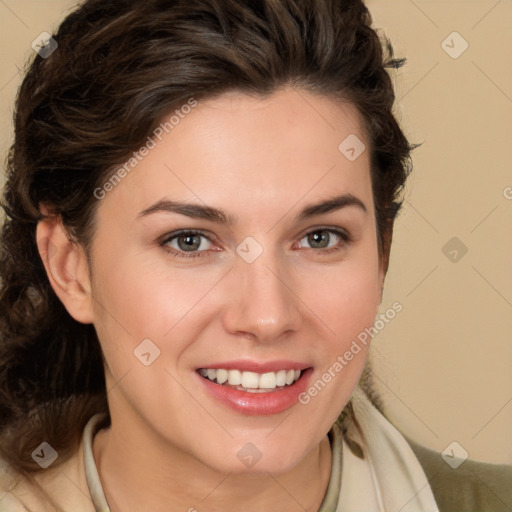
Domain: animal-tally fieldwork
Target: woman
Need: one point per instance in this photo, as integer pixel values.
(200, 205)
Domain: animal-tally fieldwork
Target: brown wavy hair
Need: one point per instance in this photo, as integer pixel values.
(120, 66)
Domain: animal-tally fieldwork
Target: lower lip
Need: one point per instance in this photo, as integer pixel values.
(261, 404)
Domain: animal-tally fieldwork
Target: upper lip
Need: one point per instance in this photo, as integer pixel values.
(246, 365)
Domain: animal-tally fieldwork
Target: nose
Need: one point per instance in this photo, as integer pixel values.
(263, 303)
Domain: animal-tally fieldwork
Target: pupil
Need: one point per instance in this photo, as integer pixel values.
(191, 242)
(318, 238)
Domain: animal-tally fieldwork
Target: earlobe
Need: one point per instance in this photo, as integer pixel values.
(67, 268)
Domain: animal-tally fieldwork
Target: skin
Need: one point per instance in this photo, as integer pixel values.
(172, 447)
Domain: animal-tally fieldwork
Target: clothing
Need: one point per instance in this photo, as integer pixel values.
(393, 475)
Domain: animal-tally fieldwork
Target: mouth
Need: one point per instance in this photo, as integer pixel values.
(252, 382)
(255, 388)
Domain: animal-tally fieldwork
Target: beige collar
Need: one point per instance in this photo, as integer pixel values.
(390, 477)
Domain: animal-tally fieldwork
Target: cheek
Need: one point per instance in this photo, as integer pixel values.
(345, 296)
(137, 299)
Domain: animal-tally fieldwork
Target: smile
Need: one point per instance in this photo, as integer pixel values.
(251, 382)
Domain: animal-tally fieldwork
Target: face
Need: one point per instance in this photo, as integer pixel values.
(244, 275)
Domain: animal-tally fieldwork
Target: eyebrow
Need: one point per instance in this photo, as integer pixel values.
(219, 216)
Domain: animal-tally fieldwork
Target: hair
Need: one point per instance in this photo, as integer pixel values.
(120, 66)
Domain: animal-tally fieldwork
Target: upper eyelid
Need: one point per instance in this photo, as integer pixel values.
(170, 236)
(331, 229)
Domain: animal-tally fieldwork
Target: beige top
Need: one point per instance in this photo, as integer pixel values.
(389, 477)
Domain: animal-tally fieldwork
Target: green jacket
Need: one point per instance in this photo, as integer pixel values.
(472, 487)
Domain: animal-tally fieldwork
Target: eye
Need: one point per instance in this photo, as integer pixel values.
(187, 244)
(327, 240)
(194, 244)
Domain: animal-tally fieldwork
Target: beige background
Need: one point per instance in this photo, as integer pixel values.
(444, 364)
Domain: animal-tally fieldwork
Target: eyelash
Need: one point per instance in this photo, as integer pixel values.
(344, 236)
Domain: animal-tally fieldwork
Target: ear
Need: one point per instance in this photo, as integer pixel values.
(66, 266)
(387, 238)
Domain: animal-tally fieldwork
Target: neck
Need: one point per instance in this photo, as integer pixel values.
(154, 476)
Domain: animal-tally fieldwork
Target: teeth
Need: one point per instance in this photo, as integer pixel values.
(234, 377)
(268, 380)
(222, 376)
(281, 378)
(251, 380)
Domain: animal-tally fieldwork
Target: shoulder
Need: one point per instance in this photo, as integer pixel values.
(8, 483)
(19, 494)
(472, 487)
(62, 487)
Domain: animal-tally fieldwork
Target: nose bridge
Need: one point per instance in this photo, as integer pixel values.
(263, 303)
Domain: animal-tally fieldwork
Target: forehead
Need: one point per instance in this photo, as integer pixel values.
(236, 148)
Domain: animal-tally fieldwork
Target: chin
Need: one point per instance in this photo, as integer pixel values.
(257, 459)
